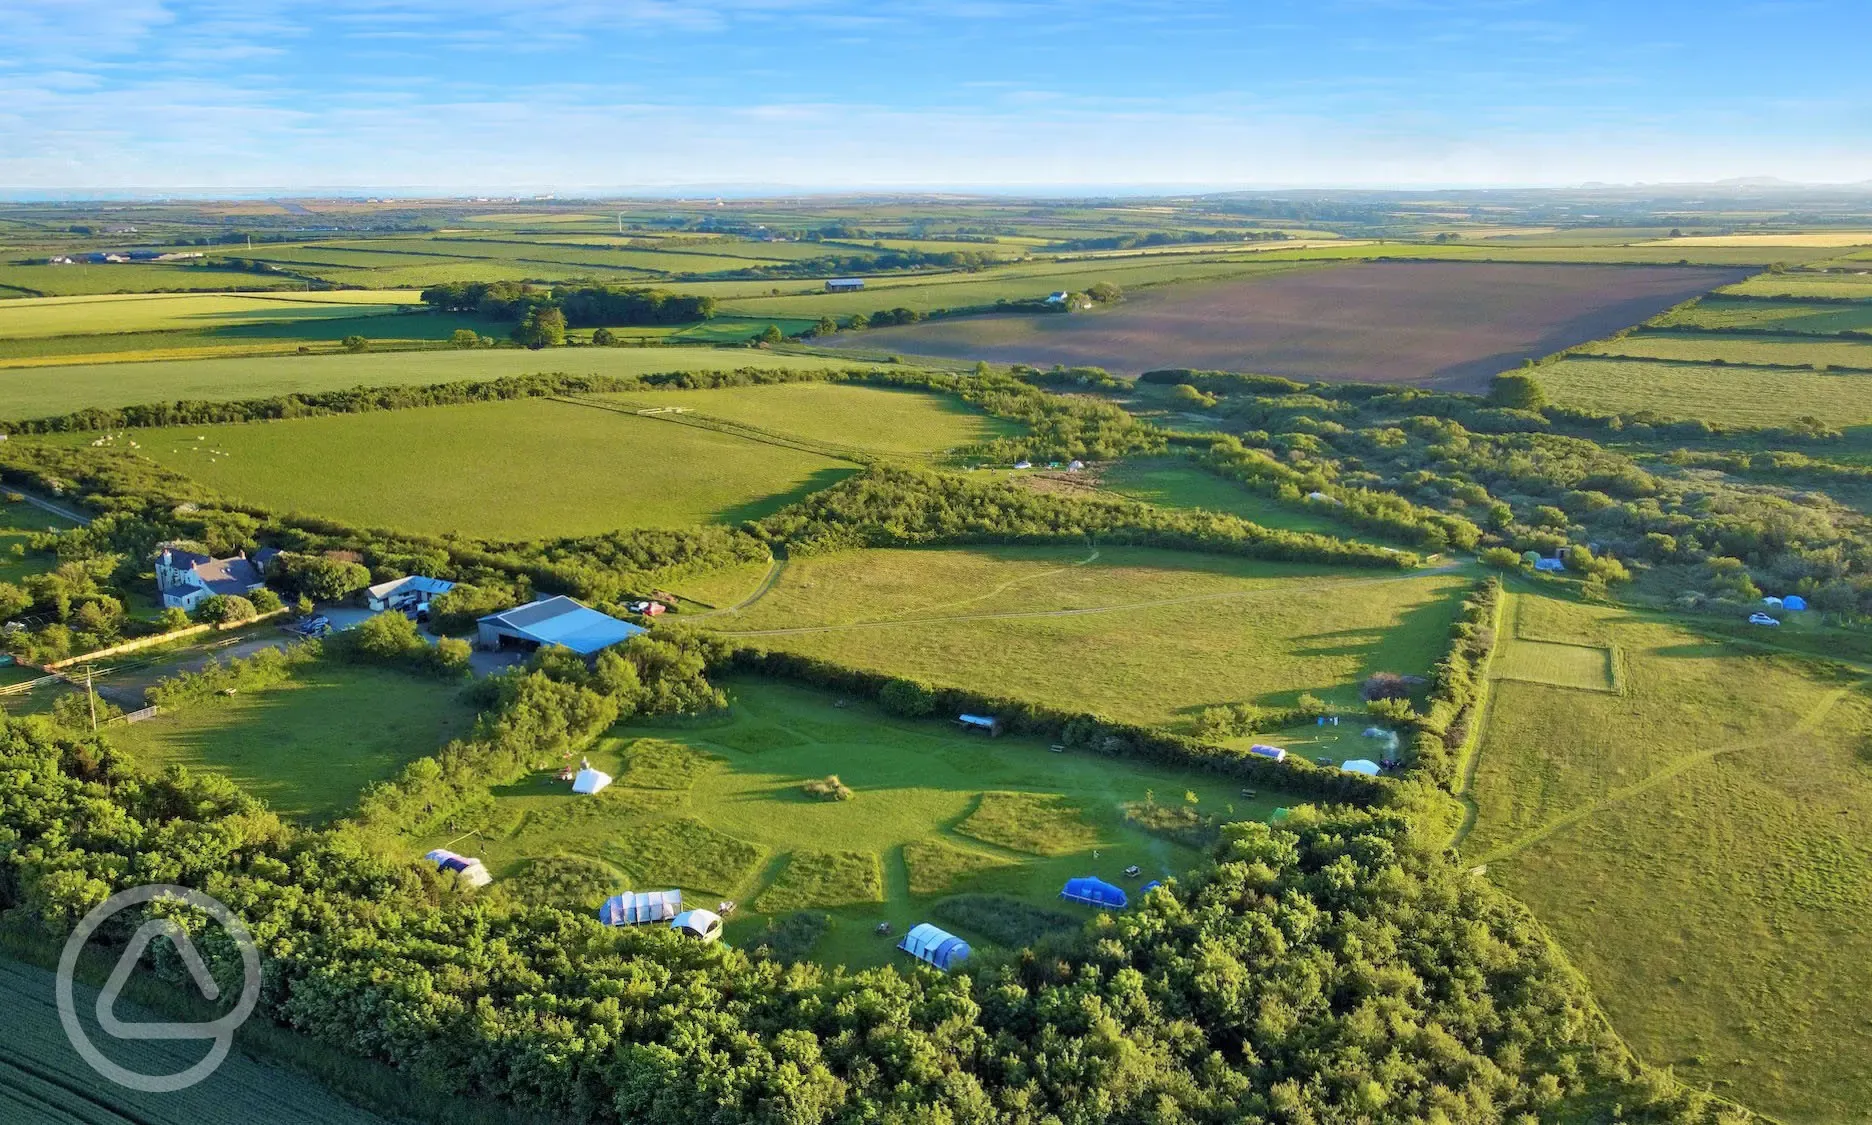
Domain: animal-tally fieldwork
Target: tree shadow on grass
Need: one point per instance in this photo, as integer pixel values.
(818, 481)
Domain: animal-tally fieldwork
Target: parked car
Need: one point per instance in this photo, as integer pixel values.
(1762, 619)
(315, 626)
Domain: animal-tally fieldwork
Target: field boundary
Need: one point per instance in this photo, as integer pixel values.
(723, 426)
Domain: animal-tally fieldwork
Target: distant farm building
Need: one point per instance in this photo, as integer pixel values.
(554, 621)
(630, 909)
(405, 594)
(986, 724)
(703, 925)
(844, 285)
(467, 869)
(936, 947)
(1361, 765)
(1094, 892)
(184, 578)
(590, 781)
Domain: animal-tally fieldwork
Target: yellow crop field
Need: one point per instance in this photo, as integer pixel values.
(1777, 238)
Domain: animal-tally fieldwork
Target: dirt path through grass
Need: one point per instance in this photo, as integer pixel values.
(1807, 722)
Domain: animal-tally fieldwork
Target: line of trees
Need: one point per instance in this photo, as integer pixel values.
(581, 305)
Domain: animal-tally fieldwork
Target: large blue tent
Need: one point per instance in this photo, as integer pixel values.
(1794, 602)
(1094, 892)
(937, 947)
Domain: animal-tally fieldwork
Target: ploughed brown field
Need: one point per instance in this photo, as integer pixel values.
(1450, 325)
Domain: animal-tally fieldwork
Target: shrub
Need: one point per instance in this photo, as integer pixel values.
(909, 698)
(224, 609)
(265, 600)
(828, 788)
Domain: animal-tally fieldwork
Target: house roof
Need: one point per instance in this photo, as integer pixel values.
(562, 621)
(417, 582)
(234, 576)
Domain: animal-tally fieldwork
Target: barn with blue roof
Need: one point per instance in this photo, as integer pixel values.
(554, 621)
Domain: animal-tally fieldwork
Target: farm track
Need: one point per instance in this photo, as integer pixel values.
(1082, 611)
(1807, 722)
(699, 421)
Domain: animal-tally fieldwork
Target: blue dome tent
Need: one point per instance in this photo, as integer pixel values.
(1094, 892)
(1794, 602)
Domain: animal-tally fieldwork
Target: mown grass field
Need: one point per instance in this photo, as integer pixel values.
(42, 1079)
(872, 419)
(39, 392)
(1856, 283)
(1697, 843)
(532, 468)
(129, 277)
(64, 316)
(1140, 635)
(308, 746)
(738, 825)
(1730, 395)
(1705, 347)
(1777, 316)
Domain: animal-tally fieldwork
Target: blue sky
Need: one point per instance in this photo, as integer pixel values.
(485, 95)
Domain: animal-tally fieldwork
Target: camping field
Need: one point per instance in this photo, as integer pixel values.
(43, 391)
(1140, 635)
(1696, 841)
(1447, 324)
(715, 805)
(309, 746)
(1169, 482)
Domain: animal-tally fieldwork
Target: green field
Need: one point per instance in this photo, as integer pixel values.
(129, 277)
(1697, 843)
(933, 808)
(39, 392)
(19, 523)
(875, 420)
(1857, 283)
(1704, 347)
(1136, 634)
(1727, 395)
(1174, 483)
(43, 1080)
(310, 745)
(65, 316)
(1776, 316)
(532, 468)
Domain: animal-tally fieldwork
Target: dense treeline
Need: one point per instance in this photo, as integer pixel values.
(1335, 969)
(583, 305)
(1384, 513)
(1440, 735)
(1075, 730)
(895, 506)
(306, 404)
(1168, 238)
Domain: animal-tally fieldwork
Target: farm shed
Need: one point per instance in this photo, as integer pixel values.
(987, 724)
(590, 780)
(703, 925)
(1794, 602)
(844, 285)
(1361, 765)
(630, 909)
(1094, 892)
(937, 947)
(1265, 751)
(410, 592)
(554, 621)
(471, 871)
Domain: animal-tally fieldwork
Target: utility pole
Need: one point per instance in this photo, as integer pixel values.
(91, 696)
